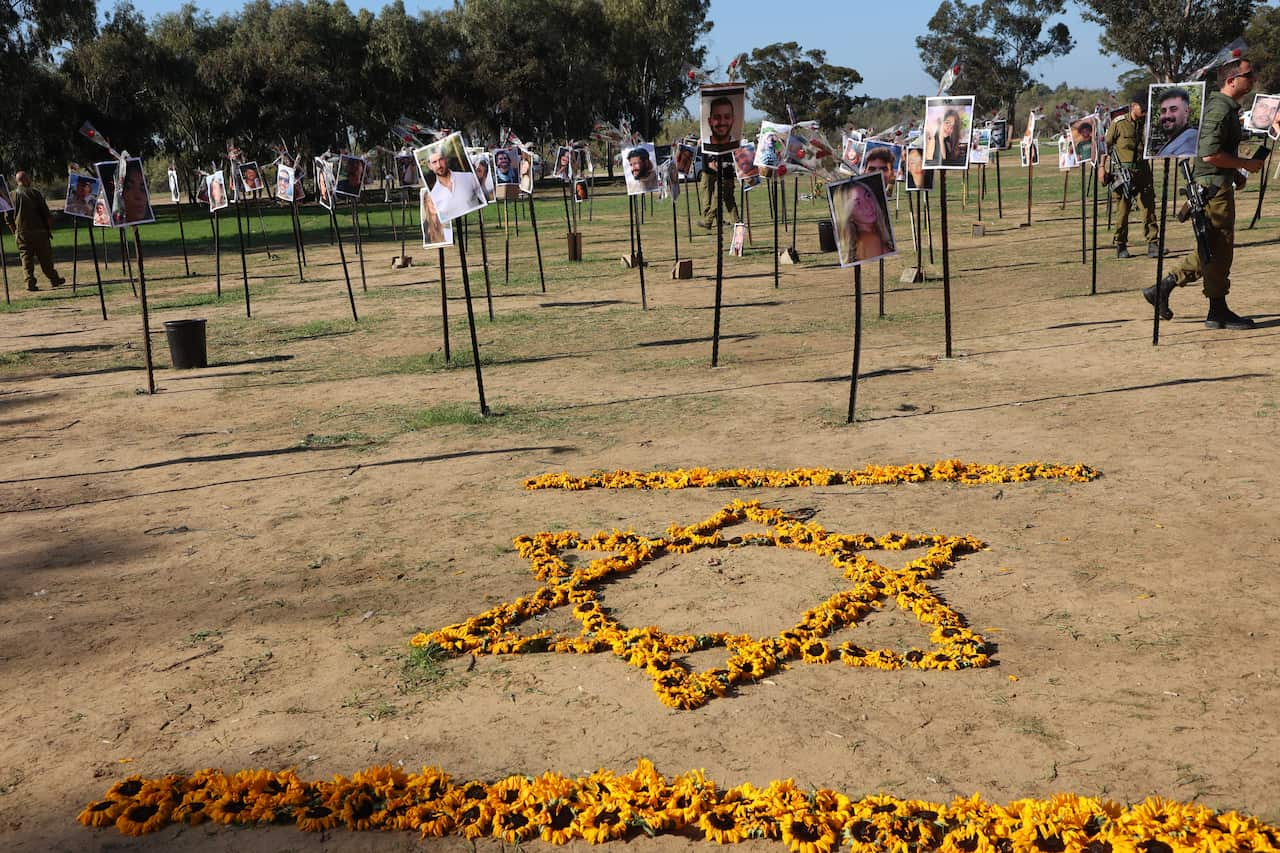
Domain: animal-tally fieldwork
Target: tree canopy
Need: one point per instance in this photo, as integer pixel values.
(1171, 39)
(781, 75)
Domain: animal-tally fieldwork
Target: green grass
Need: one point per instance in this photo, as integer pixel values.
(342, 439)
(14, 359)
(422, 668)
(444, 414)
(317, 329)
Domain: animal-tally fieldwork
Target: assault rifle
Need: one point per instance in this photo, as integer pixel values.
(1120, 177)
(1197, 197)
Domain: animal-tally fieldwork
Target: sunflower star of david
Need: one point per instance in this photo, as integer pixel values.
(749, 658)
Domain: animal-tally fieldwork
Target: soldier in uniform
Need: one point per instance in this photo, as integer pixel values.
(1124, 138)
(1216, 168)
(717, 181)
(32, 225)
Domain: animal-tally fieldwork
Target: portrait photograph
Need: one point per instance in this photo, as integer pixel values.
(563, 164)
(884, 158)
(860, 215)
(407, 171)
(999, 135)
(580, 162)
(723, 109)
(1174, 111)
(1029, 152)
(1030, 133)
(771, 145)
(739, 239)
(284, 182)
(216, 190)
(581, 190)
(482, 168)
(948, 126)
(918, 177)
(807, 149)
(350, 176)
(670, 178)
(6, 201)
(82, 194)
(506, 166)
(452, 183)
(251, 177)
(1067, 159)
(980, 146)
(851, 148)
(299, 177)
(640, 168)
(175, 194)
(744, 164)
(1264, 115)
(528, 169)
(324, 182)
(1084, 139)
(685, 156)
(130, 199)
(436, 233)
(103, 209)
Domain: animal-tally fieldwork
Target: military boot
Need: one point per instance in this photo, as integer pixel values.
(1122, 251)
(1161, 291)
(1222, 317)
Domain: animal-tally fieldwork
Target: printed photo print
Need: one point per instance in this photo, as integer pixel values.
(351, 176)
(580, 162)
(407, 171)
(851, 150)
(948, 124)
(739, 239)
(563, 168)
(482, 168)
(284, 182)
(325, 181)
(1174, 111)
(130, 200)
(771, 146)
(82, 195)
(528, 167)
(1264, 116)
(436, 232)
(640, 168)
(450, 179)
(506, 166)
(685, 156)
(1067, 159)
(744, 165)
(1029, 152)
(251, 177)
(581, 190)
(884, 158)
(999, 135)
(980, 146)
(860, 216)
(1085, 139)
(918, 177)
(175, 193)
(721, 117)
(216, 190)
(807, 148)
(6, 201)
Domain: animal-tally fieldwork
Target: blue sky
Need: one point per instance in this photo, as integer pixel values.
(880, 46)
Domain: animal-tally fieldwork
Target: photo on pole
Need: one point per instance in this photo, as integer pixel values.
(284, 182)
(299, 178)
(1084, 139)
(948, 124)
(1066, 154)
(581, 190)
(639, 166)
(1029, 152)
(82, 194)
(744, 165)
(482, 168)
(918, 177)
(449, 178)
(1174, 111)
(885, 159)
(851, 151)
(175, 194)
(685, 156)
(999, 135)
(808, 150)
(721, 117)
(6, 201)
(436, 232)
(325, 181)
(739, 239)
(669, 175)
(251, 177)
(1264, 116)
(216, 190)
(351, 176)
(980, 146)
(506, 166)
(563, 164)
(407, 171)
(130, 201)
(860, 216)
(528, 169)
(771, 146)
(580, 162)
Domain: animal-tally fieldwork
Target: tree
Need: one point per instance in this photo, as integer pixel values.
(996, 42)
(779, 75)
(1263, 37)
(1171, 39)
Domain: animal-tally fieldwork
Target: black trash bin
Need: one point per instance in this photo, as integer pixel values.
(186, 343)
(826, 235)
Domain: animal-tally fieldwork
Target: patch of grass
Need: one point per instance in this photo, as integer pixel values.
(190, 300)
(422, 668)
(13, 359)
(341, 439)
(445, 414)
(316, 329)
(432, 362)
(202, 636)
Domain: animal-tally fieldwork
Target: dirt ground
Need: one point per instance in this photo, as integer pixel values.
(226, 574)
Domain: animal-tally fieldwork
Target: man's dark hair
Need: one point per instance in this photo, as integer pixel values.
(883, 155)
(1231, 69)
(715, 102)
(642, 153)
(1176, 92)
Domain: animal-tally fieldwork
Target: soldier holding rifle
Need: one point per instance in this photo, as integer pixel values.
(1124, 147)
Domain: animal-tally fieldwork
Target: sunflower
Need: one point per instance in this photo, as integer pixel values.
(473, 819)
(141, 818)
(805, 832)
(513, 826)
(101, 813)
(126, 789)
(193, 808)
(815, 651)
(316, 818)
(360, 810)
(557, 823)
(723, 824)
(603, 822)
(227, 809)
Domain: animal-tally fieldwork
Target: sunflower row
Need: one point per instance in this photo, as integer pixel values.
(947, 470)
(606, 806)
(749, 658)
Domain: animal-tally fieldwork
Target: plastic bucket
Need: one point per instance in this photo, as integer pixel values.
(186, 343)
(826, 235)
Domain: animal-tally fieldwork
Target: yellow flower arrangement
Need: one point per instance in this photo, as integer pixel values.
(749, 659)
(947, 470)
(604, 806)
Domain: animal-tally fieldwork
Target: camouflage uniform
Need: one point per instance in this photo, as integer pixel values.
(1124, 137)
(32, 225)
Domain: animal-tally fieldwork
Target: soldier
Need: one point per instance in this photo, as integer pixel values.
(1216, 168)
(1124, 139)
(32, 225)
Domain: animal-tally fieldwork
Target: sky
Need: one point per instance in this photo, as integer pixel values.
(881, 47)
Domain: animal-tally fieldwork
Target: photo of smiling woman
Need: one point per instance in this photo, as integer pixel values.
(948, 123)
(860, 214)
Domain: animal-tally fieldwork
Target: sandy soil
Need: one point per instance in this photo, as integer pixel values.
(227, 573)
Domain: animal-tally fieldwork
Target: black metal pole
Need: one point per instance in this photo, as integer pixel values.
(881, 288)
(1262, 189)
(946, 259)
(715, 332)
(999, 191)
(182, 235)
(4, 267)
(1093, 283)
(644, 303)
(297, 236)
(537, 241)
(631, 225)
(126, 262)
(146, 319)
(244, 267)
(1164, 218)
(1030, 182)
(928, 221)
(795, 207)
(920, 197)
(675, 229)
(75, 253)
(1084, 239)
(857, 341)
(444, 310)
(471, 324)
(342, 256)
(688, 217)
(93, 248)
(355, 227)
(773, 203)
(217, 255)
(484, 258)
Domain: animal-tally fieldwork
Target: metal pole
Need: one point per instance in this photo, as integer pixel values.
(146, 320)
(244, 268)
(715, 334)
(484, 258)
(93, 248)
(946, 260)
(444, 309)
(537, 242)
(471, 324)
(857, 340)
(1164, 218)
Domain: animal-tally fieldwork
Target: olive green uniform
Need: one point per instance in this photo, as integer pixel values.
(1124, 137)
(32, 225)
(718, 181)
(1220, 132)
